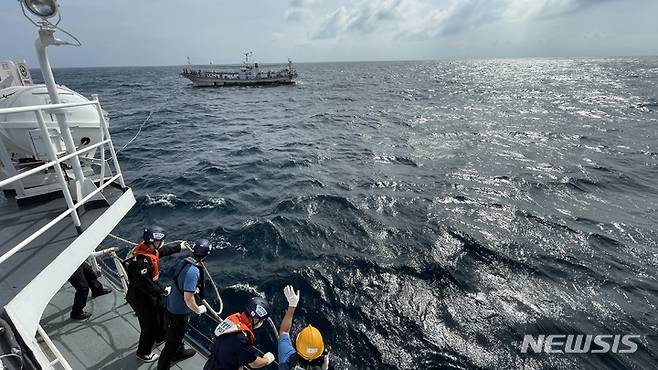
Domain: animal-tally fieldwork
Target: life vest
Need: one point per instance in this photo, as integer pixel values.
(143, 250)
(238, 322)
(186, 264)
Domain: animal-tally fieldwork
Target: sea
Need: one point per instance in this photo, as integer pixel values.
(432, 213)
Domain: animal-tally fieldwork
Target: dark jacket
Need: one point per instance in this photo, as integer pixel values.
(142, 290)
(230, 352)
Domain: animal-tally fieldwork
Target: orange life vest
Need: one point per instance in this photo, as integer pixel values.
(143, 250)
(238, 322)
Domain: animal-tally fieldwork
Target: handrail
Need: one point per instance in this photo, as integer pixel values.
(44, 166)
(46, 107)
(55, 162)
(59, 359)
(57, 219)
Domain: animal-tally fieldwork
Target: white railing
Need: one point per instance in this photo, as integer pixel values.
(59, 359)
(55, 162)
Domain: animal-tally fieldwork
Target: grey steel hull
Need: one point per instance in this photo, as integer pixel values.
(212, 82)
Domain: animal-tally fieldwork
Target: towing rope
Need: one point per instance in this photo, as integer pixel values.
(138, 132)
(122, 239)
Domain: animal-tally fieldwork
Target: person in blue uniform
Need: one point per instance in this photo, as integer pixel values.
(189, 280)
(309, 352)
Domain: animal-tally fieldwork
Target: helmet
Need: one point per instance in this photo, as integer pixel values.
(258, 308)
(201, 248)
(309, 343)
(154, 233)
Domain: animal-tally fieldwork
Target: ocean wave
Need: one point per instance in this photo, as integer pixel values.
(169, 200)
(387, 159)
(161, 200)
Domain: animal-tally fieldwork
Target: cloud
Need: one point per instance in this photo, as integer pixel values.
(596, 36)
(303, 3)
(366, 17)
(334, 24)
(423, 19)
(276, 36)
(297, 14)
(463, 15)
(300, 10)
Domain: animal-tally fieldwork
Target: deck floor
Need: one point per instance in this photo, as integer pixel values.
(17, 223)
(107, 340)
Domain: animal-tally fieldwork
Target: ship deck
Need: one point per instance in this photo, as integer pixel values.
(107, 340)
(17, 223)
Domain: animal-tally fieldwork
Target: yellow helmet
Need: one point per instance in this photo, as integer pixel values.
(309, 343)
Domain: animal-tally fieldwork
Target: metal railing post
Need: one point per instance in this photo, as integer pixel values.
(11, 170)
(58, 355)
(103, 123)
(123, 275)
(58, 169)
(103, 164)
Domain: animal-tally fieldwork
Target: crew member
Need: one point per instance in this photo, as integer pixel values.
(83, 280)
(144, 294)
(235, 339)
(189, 278)
(310, 353)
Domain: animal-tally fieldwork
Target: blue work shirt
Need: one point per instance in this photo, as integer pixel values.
(188, 281)
(286, 350)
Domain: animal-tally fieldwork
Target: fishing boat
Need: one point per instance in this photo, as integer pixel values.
(249, 74)
(64, 193)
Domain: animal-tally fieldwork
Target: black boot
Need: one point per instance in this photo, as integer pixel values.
(184, 353)
(82, 315)
(105, 290)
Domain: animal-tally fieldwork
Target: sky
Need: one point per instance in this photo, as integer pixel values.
(166, 32)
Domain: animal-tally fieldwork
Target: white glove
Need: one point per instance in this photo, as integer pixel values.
(269, 357)
(291, 296)
(202, 310)
(184, 245)
(167, 290)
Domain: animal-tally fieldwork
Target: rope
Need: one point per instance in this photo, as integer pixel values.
(119, 274)
(138, 132)
(122, 239)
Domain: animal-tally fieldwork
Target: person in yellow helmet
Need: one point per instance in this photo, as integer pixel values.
(309, 352)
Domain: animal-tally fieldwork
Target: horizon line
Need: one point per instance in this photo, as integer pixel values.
(369, 61)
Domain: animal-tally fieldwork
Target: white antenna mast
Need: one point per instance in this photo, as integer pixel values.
(45, 9)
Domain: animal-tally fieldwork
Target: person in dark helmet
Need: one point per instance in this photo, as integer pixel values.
(189, 279)
(309, 352)
(83, 280)
(145, 295)
(235, 339)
